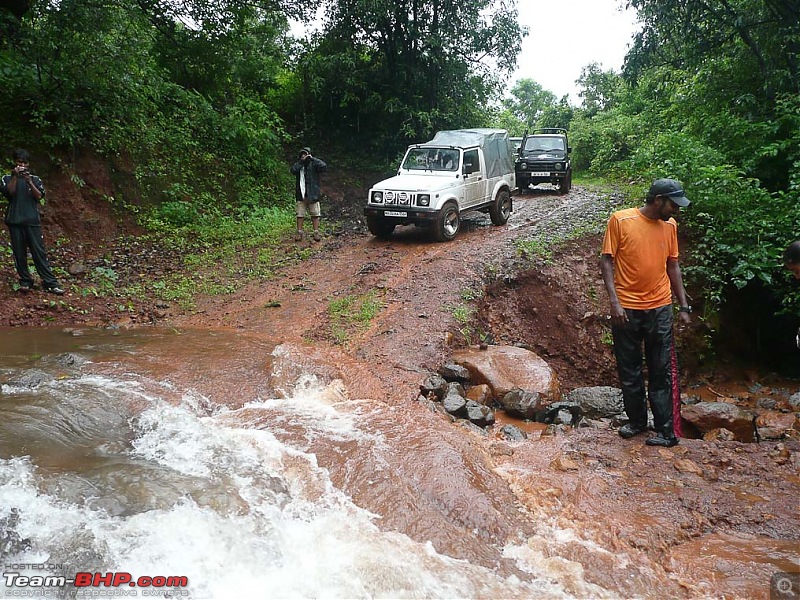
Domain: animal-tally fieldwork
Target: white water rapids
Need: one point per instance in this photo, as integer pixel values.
(120, 473)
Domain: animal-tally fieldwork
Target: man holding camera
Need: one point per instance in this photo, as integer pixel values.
(307, 191)
(24, 192)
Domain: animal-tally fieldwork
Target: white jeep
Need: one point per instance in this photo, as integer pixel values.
(457, 171)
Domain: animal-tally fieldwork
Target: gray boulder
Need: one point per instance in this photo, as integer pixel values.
(455, 403)
(707, 416)
(513, 433)
(454, 372)
(522, 404)
(480, 415)
(434, 384)
(597, 402)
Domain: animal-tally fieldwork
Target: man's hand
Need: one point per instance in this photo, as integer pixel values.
(618, 315)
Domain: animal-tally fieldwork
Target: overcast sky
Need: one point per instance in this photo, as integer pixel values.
(573, 33)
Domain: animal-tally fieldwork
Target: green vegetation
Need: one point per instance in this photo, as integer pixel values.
(222, 252)
(545, 243)
(464, 316)
(352, 313)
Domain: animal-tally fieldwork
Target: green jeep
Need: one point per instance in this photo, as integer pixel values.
(543, 157)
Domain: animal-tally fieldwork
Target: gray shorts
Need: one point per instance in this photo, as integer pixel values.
(308, 209)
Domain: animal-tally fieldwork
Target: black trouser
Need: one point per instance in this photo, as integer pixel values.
(654, 328)
(29, 237)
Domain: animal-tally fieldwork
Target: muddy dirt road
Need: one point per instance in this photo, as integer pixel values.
(426, 291)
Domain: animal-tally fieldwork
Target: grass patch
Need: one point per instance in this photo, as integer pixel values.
(352, 313)
(245, 246)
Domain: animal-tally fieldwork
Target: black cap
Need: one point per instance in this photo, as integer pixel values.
(670, 188)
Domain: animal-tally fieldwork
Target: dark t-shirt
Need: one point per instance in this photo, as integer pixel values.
(23, 207)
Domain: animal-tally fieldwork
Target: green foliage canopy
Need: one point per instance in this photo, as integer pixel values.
(387, 71)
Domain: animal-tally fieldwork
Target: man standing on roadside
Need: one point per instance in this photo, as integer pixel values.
(24, 192)
(639, 263)
(307, 190)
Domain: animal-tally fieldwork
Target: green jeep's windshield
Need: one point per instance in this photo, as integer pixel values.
(431, 159)
(542, 143)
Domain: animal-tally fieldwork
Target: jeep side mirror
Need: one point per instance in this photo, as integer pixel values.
(569, 149)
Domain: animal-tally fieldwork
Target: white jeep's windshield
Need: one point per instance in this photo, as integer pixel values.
(540, 143)
(431, 159)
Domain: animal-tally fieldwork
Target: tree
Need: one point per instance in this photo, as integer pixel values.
(529, 100)
(394, 70)
(599, 89)
(182, 89)
(762, 36)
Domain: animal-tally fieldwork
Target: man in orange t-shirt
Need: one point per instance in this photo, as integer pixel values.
(639, 263)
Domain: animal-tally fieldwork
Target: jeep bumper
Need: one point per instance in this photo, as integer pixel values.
(401, 215)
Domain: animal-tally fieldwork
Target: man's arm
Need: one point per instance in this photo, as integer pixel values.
(13, 182)
(11, 186)
(676, 281)
(618, 315)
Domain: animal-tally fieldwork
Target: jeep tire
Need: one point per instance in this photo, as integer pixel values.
(380, 227)
(448, 223)
(500, 209)
(566, 184)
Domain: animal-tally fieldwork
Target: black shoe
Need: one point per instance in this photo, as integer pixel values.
(628, 431)
(664, 442)
(24, 289)
(55, 290)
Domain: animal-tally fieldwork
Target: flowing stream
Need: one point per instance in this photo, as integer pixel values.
(120, 452)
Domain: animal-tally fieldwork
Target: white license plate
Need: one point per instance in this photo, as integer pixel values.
(395, 213)
(540, 174)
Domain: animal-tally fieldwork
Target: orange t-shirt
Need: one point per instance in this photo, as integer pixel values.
(640, 248)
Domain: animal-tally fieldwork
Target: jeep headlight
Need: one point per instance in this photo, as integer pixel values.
(523, 166)
(377, 197)
(424, 200)
(559, 166)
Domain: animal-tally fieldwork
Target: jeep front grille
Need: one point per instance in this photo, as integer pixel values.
(400, 198)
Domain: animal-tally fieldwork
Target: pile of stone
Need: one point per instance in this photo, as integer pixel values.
(480, 381)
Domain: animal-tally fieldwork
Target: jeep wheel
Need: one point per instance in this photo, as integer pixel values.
(380, 228)
(566, 183)
(448, 223)
(500, 209)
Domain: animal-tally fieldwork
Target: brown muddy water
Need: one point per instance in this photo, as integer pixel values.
(231, 460)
